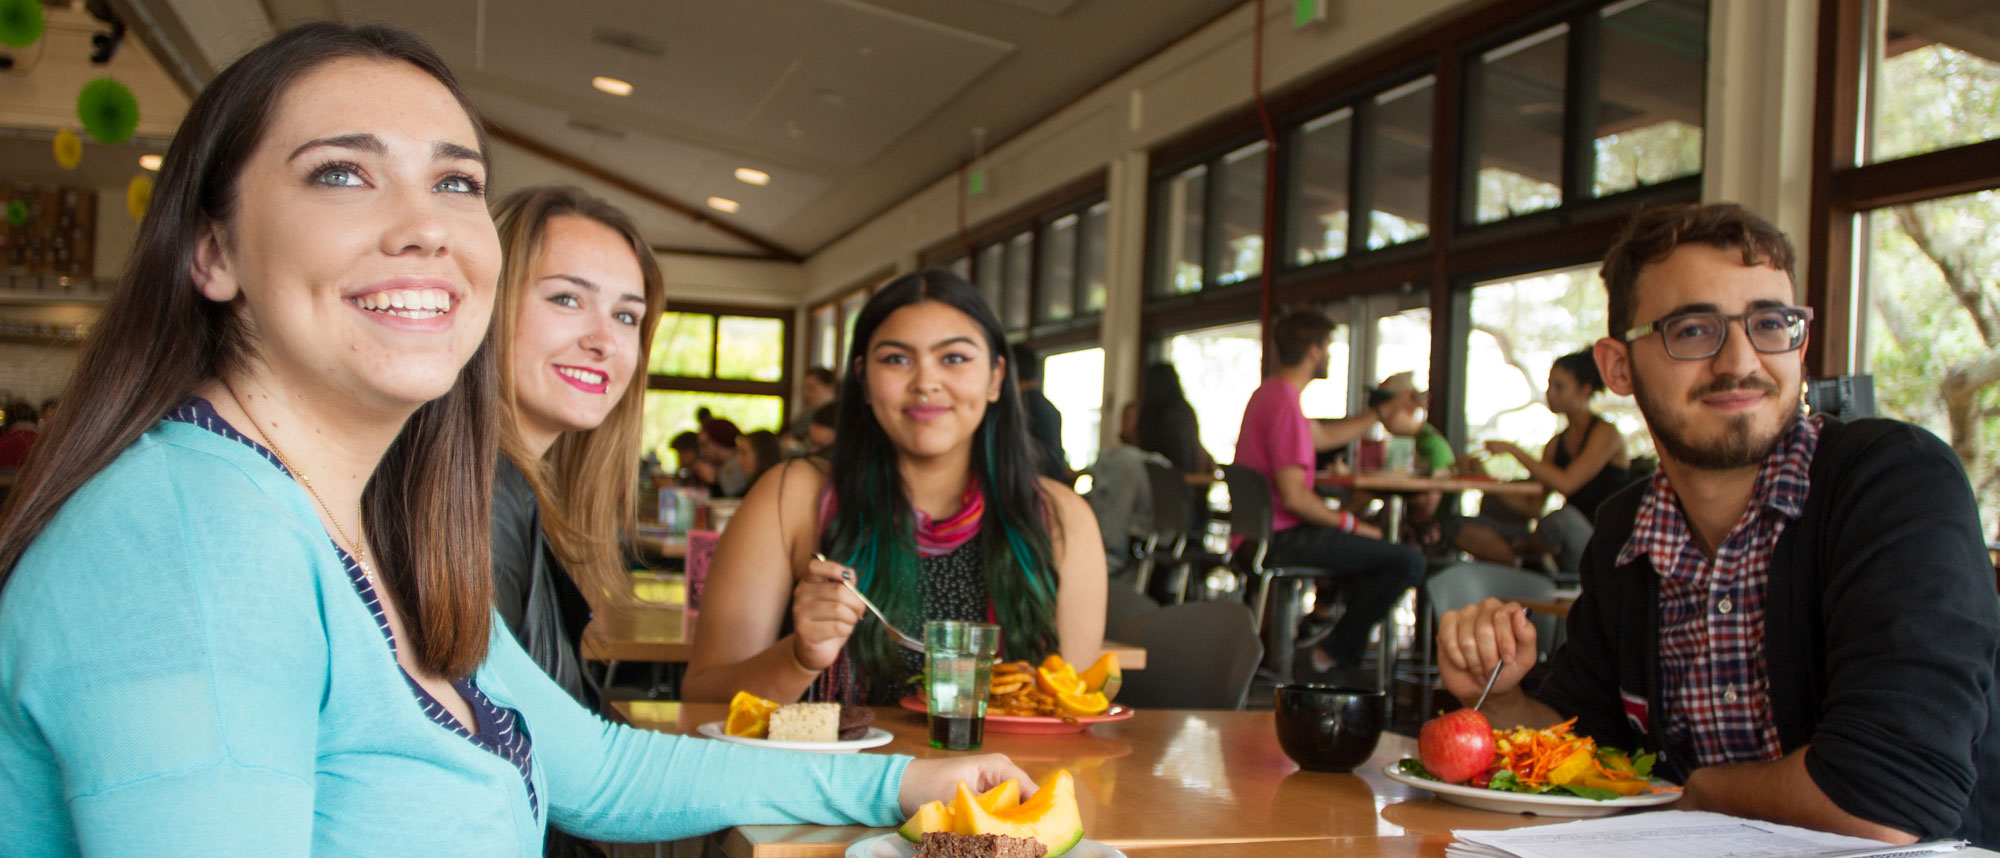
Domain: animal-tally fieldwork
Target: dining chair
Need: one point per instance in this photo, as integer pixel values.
(1122, 604)
(1199, 655)
(1167, 541)
(1457, 586)
(1250, 530)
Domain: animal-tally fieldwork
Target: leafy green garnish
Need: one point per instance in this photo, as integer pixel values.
(1642, 765)
(1581, 791)
(1506, 781)
(1415, 768)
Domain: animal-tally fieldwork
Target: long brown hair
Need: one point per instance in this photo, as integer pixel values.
(584, 484)
(158, 341)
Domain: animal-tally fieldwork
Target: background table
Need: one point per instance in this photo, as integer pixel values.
(1166, 783)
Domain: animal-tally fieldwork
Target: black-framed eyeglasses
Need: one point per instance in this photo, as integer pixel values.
(1695, 336)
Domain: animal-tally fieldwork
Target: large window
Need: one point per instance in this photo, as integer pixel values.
(1219, 367)
(1606, 100)
(1316, 212)
(1400, 190)
(1520, 325)
(1916, 206)
(1074, 384)
(1072, 246)
(729, 360)
(1208, 222)
(1043, 272)
(1367, 161)
(1936, 81)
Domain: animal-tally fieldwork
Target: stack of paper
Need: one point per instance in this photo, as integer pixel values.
(1674, 834)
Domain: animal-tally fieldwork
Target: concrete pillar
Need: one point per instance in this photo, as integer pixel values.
(1758, 134)
(1124, 269)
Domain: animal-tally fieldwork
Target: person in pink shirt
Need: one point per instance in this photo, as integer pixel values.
(1279, 442)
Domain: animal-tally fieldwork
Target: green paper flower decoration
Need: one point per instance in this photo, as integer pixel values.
(138, 195)
(20, 22)
(69, 149)
(108, 111)
(17, 211)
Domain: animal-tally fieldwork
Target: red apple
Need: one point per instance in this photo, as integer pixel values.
(1456, 746)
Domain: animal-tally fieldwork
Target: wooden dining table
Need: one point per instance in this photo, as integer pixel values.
(1164, 784)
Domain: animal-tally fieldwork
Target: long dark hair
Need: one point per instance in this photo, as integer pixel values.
(1166, 421)
(158, 340)
(1582, 366)
(873, 528)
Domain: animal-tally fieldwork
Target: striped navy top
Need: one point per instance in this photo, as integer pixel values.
(500, 730)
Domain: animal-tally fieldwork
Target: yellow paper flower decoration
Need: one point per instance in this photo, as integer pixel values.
(138, 194)
(69, 149)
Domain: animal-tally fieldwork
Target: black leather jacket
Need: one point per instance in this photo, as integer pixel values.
(534, 595)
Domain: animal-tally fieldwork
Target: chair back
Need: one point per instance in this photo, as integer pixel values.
(1171, 502)
(1199, 655)
(1457, 586)
(1249, 515)
(1122, 603)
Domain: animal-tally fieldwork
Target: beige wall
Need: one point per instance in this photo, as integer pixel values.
(1202, 76)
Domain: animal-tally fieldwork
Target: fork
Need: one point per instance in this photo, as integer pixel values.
(896, 635)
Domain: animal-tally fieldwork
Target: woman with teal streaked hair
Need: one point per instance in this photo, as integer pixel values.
(932, 498)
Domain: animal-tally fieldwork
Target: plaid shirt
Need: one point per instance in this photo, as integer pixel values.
(1714, 681)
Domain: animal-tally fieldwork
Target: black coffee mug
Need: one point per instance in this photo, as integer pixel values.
(1328, 728)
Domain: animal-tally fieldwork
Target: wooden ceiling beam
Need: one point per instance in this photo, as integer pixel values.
(771, 248)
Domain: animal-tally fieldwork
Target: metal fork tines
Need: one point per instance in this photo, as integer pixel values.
(896, 635)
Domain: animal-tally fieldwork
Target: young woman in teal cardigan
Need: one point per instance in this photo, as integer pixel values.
(247, 601)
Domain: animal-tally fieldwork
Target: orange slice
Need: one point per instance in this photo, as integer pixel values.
(1059, 681)
(1082, 705)
(749, 716)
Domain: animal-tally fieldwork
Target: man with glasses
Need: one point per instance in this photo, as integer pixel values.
(1797, 614)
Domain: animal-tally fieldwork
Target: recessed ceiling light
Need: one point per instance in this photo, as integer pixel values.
(149, 162)
(611, 85)
(752, 177)
(726, 206)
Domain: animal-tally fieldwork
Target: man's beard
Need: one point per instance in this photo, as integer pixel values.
(1739, 447)
(1323, 367)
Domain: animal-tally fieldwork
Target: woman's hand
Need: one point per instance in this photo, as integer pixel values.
(1506, 448)
(937, 779)
(823, 614)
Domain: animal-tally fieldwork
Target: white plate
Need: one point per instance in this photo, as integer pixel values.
(1520, 802)
(875, 738)
(894, 846)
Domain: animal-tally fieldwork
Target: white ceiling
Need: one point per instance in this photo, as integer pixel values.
(850, 105)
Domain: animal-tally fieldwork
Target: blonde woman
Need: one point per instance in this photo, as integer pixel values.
(578, 286)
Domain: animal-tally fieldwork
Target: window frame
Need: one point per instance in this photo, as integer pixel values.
(782, 388)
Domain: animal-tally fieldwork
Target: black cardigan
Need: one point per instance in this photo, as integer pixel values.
(534, 595)
(1881, 629)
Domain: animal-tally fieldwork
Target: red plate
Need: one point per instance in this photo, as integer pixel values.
(1033, 726)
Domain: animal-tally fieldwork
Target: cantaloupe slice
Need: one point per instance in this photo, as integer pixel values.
(935, 816)
(1103, 677)
(1050, 817)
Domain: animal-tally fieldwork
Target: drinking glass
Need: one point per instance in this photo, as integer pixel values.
(959, 669)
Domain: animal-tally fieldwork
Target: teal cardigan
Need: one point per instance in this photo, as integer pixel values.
(186, 669)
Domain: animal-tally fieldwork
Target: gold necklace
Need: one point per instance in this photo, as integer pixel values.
(360, 548)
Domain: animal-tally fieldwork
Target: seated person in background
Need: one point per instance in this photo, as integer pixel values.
(718, 449)
(1279, 442)
(1121, 494)
(1167, 426)
(1585, 462)
(1044, 421)
(19, 435)
(815, 392)
(934, 507)
(1796, 613)
(689, 466)
(825, 423)
(757, 452)
(1403, 407)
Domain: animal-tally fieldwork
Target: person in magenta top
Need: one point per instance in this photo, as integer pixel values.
(1279, 442)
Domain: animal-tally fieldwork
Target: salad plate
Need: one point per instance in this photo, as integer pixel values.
(875, 738)
(894, 846)
(1543, 805)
